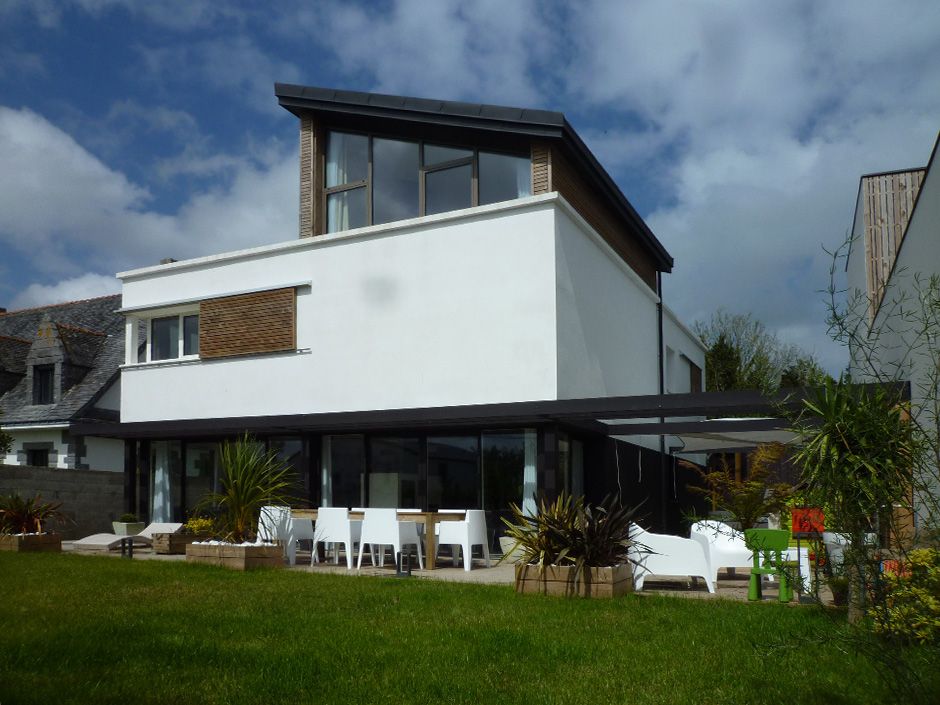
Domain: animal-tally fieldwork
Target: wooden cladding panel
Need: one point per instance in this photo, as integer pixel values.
(887, 204)
(572, 185)
(541, 168)
(248, 324)
(307, 187)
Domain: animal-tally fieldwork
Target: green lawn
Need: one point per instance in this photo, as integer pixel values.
(77, 629)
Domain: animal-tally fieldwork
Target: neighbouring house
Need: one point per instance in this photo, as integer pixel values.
(895, 250)
(470, 301)
(59, 365)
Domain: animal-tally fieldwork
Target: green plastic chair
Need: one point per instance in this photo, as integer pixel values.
(768, 546)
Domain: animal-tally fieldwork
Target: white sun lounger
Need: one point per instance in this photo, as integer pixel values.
(105, 542)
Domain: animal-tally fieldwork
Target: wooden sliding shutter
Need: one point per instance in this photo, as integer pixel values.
(248, 324)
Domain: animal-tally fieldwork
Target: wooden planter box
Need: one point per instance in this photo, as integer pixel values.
(175, 544)
(236, 557)
(559, 580)
(40, 542)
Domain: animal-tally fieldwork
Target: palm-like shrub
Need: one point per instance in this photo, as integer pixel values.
(570, 532)
(19, 515)
(251, 479)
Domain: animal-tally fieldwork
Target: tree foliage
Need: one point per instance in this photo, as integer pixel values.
(747, 500)
(742, 354)
(251, 479)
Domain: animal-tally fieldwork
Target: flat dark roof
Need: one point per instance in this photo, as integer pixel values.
(529, 122)
(583, 413)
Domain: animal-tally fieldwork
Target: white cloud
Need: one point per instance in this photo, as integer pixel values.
(234, 65)
(444, 49)
(67, 212)
(85, 286)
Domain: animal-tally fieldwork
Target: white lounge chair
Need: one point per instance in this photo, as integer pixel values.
(335, 527)
(663, 554)
(106, 542)
(724, 546)
(465, 534)
(381, 528)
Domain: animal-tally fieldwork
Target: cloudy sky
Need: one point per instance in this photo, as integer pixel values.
(132, 131)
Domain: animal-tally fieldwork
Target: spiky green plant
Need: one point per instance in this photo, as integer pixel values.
(19, 515)
(569, 531)
(251, 478)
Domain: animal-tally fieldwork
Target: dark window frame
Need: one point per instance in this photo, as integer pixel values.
(423, 170)
(43, 394)
(31, 457)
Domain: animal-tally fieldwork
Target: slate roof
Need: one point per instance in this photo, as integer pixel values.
(93, 336)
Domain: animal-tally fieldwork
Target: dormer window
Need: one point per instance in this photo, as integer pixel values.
(374, 180)
(43, 384)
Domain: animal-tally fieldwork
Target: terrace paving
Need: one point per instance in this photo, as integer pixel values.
(730, 586)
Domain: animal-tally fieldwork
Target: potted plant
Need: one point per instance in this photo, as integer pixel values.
(251, 478)
(127, 525)
(197, 528)
(22, 524)
(571, 548)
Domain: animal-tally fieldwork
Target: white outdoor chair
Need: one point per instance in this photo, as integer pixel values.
(465, 534)
(724, 546)
(381, 528)
(667, 555)
(299, 530)
(335, 527)
(105, 542)
(274, 526)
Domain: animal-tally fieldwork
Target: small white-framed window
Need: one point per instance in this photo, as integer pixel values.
(173, 337)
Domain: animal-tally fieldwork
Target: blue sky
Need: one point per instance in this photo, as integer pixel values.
(133, 131)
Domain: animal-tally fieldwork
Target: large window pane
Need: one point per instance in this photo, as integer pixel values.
(347, 158)
(164, 338)
(453, 473)
(165, 472)
(509, 460)
(343, 474)
(201, 473)
(346, 210)
(190, 335)
(393, 475)
(436, 154)
(503, 177)
(448, 189)
(394, 180)
(290, 450)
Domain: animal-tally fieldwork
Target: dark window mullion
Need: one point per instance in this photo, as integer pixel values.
(474, 180)
(346, 187)
(443, 166)
(369, 218)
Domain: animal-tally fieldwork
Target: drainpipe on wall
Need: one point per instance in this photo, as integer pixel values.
(664, 515)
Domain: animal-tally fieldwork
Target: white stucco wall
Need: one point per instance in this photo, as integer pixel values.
(607, 319)
(681, 347)
(442, 310)
(104, 454)
(51, 435)
(919, 257)
(100, 453)
(111, 399)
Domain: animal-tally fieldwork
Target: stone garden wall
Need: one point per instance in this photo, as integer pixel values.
(92, 499)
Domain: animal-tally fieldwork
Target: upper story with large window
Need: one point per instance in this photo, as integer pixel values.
(368, 159)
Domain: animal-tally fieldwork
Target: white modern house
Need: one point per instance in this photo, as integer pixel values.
(469, 296)
(895, 250)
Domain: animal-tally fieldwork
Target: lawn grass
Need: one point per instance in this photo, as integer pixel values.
(78, 629)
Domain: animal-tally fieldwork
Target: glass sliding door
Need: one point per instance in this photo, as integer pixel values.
(393, 472)
(166, 466)
(509, 461)
(343, 471)
(454, 478)
(202, 473)
(290, 450)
